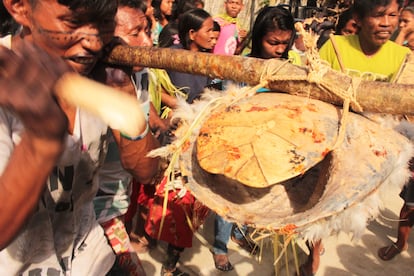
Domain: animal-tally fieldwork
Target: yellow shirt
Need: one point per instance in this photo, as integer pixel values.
(382, 66)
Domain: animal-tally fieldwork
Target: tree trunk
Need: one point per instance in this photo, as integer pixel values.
(371, 96)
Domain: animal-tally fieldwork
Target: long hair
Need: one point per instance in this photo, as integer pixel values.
(190, 20)
(180, 7)
(156, 4)
(7, 23)
(268, 20)
(168, 35)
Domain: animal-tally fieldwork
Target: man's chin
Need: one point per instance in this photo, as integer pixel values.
(82, 69)
(381, 41)
(382, 38)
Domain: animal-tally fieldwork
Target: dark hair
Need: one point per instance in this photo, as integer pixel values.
(136, 4)
(156, 4)
(190, 20)
(180, 7)
(216, 27)
(268, 20)
(94, 10)
(343, 19)
(7, 23)
(168, 35)
(409, 9)
(363, 8)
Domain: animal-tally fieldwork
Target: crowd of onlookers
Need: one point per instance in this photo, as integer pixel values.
(134, 201)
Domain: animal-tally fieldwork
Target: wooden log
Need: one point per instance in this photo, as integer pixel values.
(372, 96)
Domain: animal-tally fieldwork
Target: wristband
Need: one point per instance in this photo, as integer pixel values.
(139, 137)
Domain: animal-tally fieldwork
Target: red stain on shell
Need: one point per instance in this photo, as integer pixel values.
(318, 137)
(300, 169)
(233, 153)
(312, 107)
(325, 152)
(380, 153)
(228, 169)
(257, 108)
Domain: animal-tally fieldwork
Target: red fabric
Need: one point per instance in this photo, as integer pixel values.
(146, 192)
(176, 229)
(140, 195)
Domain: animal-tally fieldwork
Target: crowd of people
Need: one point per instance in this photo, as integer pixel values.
(80, 198)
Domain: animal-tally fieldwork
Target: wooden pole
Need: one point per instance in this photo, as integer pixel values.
(372, 96)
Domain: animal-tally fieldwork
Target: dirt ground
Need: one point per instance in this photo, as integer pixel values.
(342, 255)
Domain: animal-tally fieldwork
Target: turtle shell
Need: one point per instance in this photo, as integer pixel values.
(261, 141)
(370, 157)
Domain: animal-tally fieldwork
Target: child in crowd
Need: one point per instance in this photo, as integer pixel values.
(163, 11)
(232, 33)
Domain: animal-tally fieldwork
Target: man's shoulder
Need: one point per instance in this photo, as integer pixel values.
(340, 41)
(347, 39)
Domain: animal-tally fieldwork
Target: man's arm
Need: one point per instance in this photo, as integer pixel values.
(134, 156)
(23, 182)
(132, 150)
(26, 88)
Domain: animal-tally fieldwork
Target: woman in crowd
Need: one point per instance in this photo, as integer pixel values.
(195, 33)
(273, 34)
(406, 25)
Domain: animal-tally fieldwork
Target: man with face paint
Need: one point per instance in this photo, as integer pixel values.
(50, 154)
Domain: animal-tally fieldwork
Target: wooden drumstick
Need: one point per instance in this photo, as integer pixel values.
(119, 110)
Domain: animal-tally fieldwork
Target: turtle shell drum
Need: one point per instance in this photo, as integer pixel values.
(267, 161)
